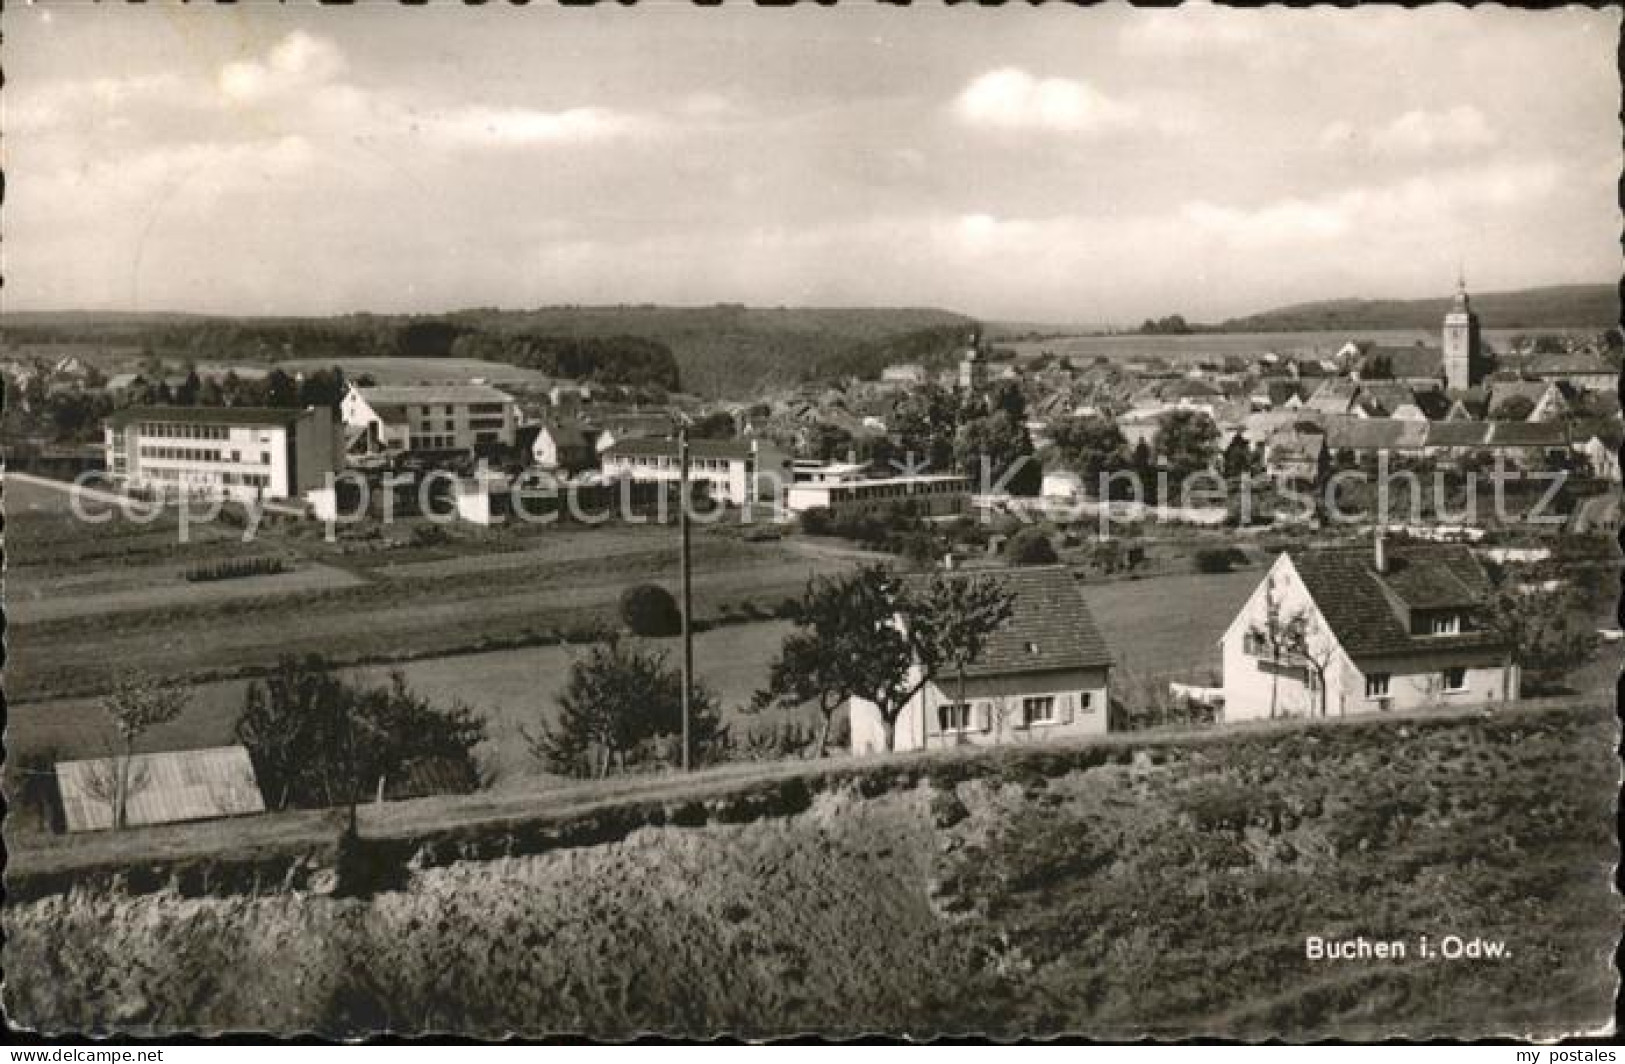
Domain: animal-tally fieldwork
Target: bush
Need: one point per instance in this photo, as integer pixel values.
(234, 569)
(650, 610)
(1218, 559)
(1029, 546)
(817, 521)
(429, 535)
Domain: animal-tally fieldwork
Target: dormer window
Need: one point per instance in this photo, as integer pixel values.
(1446, 624)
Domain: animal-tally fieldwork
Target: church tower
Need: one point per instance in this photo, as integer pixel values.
(973, 368)
(1462, 357)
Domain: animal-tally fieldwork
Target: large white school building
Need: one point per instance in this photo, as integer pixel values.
(232, 451)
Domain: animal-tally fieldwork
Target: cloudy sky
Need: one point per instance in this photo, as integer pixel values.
(1042, 165)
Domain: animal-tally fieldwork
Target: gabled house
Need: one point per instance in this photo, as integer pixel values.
(1044, 674)
(1365, 629)
(615, 428)
(1295, 454)
(1582, 370)
(1601, 457)
(1545, 399)
(418, 418)
(1336, 395)
(1387, 398)
(1368, 436)
(563, 446)
(1418, 365)
(1275, 393)
(1468, 404)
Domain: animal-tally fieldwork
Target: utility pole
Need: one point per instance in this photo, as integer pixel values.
(687, 588)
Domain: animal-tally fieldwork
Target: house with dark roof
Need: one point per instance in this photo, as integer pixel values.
(1389, 399)
(1337, 395)
(1521, 444)
(1544, 398)
(1581, 370)
(1347, 630)
(1361, 436)
(1418, 365)
(1044, 674)
(563, 445)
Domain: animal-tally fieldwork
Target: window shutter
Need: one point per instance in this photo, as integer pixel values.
(984, 717)
(1066, 709)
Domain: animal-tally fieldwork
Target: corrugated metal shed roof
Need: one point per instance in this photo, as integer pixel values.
(164, 788)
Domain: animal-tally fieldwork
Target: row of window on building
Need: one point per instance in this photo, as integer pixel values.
(666, 461)
(1453, 679)
(1036, 710)
(182, 431)
(196, 454)
(208, 477)
(860, 490)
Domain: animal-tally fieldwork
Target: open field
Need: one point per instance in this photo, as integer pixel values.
(119, 586)
(1190, 348)
(163, 587)
(1144, 885)
(404, 370)
(509, 689)
(1163, 626)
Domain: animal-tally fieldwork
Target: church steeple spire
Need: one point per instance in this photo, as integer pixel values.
(1462, 354)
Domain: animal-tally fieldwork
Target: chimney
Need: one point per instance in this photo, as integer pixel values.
(1380, 550)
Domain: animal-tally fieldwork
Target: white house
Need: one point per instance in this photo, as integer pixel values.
(1602, 458)
(1365, 629)
(563, 446)
(230, 451)
(430, 417)
(1044, 674)
(733, 471)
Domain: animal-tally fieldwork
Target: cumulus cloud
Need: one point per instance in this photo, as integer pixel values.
(1414, 204)
(518, 126)
(1011, 98)
(1416, 132)
(297, 62)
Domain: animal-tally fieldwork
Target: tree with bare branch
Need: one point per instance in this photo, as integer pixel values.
(134, 706)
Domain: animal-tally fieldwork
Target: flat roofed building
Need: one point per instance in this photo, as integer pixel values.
(426, 418)
(733, 471)
(928, 494)
(231, 451)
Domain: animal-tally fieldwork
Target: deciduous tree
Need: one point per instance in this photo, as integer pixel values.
(136, 705)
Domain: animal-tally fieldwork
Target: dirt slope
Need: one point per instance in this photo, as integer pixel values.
(1164, 890)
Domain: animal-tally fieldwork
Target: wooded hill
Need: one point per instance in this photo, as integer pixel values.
(1587, 306)
(727, 349)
